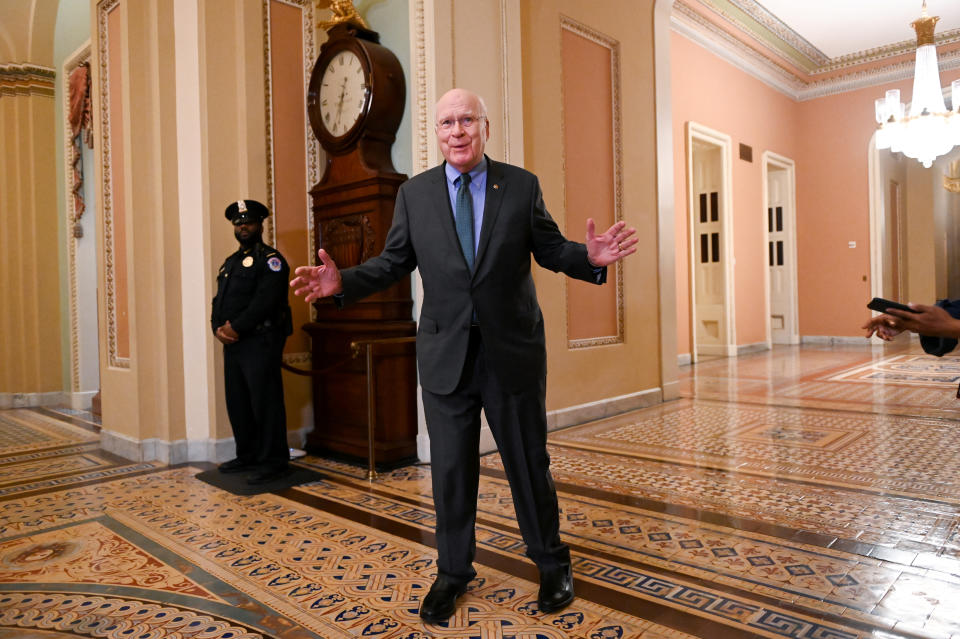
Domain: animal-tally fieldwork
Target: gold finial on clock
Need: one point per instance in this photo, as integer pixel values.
(343, 12)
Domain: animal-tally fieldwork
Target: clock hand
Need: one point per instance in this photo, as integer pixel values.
(343, 91)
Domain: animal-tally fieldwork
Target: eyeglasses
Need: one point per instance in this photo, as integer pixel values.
(466, 122)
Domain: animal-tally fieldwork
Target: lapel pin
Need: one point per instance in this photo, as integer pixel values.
(496, 186)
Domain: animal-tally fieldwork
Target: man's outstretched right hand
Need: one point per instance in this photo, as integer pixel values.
(314, 282)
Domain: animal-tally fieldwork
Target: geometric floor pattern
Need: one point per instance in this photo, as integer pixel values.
(809, 492)
(909, 369)
(912, 456)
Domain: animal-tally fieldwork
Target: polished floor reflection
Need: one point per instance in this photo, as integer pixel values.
(808, 492)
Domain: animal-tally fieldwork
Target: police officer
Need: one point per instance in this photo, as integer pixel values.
(251, 317)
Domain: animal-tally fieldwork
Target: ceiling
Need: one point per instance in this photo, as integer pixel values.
(841, 27)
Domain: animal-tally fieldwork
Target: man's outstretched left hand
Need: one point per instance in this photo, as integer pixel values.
(605, 249)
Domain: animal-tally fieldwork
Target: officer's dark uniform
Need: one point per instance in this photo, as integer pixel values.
(251, 294)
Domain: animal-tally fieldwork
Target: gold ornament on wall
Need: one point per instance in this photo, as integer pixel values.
(343, 12)
(951, 179)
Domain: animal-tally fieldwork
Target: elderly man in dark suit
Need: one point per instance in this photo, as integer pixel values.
(471, 226)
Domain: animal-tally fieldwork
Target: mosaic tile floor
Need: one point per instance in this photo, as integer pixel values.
(804, 492)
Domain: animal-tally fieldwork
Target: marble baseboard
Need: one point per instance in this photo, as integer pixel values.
(78, 401)
(743, 349)
(831, 340)
(31, 400)
(603, 408)
(176, 452)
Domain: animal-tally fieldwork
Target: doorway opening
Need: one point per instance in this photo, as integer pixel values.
(779, 195)
(709, 188)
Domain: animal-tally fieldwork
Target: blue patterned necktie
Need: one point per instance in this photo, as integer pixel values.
(464, 218)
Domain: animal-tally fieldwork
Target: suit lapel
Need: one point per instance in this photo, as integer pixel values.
(491, 208)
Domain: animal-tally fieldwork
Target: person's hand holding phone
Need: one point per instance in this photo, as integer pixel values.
(882, 306)
(885, 326)
(931, 321)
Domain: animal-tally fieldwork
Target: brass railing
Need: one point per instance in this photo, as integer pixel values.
(367, 346)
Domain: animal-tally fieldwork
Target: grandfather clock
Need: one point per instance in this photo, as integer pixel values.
(355, 102)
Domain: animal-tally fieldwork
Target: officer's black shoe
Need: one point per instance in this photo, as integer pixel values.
(267, 475)
(556, 588)
(234, 466)
(441, 601)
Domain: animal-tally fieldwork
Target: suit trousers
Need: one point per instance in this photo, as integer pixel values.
(254, 392)
(518, 422)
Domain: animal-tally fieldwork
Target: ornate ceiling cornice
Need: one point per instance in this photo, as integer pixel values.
(748, 17)
(737, 52)
(751, 38)
(26, 79)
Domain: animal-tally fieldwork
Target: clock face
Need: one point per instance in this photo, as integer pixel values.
(343, 92)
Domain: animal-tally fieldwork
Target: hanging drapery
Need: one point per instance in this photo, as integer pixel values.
(80, 118)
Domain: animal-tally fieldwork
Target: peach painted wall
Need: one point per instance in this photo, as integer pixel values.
(834, 207)
(711, 92)
(828, 138)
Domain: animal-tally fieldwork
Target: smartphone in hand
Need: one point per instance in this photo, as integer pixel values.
(881, 305)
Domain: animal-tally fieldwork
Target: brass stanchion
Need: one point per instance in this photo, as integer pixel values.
(368, 346)
(371, 414)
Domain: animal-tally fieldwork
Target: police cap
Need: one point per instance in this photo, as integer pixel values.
(243, 211)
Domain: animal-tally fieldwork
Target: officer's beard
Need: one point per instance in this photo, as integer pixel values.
(247, 240)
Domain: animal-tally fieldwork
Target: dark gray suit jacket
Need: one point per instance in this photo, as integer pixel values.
(516, 225)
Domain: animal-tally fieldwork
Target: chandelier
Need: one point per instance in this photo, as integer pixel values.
(929, 130)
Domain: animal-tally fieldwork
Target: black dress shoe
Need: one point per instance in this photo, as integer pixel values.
(234, 466)
(267, 475)
(556, 589)
(441, 601)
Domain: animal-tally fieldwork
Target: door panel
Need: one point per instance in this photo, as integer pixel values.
(708, 247)
(777, 255)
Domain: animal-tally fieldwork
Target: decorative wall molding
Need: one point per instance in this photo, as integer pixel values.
(698, 29)
(312, 160)
(781, 31)
(751, 18)
(106, 187)
(905, 47)
(421, 76)
(892, 73)
(505, 66)
(613, 46)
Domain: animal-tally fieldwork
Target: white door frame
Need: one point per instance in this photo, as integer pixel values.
(83, 333)
(877, 222)
(792, 323)
(699, 133)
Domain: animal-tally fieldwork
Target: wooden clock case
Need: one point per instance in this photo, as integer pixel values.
(352, 212)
